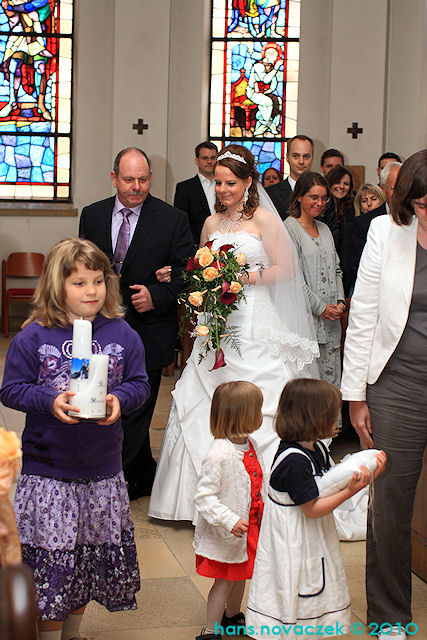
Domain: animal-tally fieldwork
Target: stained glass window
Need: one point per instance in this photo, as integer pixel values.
(254, 76)
(35, 99)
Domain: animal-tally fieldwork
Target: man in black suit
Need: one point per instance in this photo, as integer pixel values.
(196, 196)
(300, 158)
(355, 234)
(157, 235)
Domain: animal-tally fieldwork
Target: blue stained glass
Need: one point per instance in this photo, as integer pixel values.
(22, 161)
(23, 175)
(48, 158)
(9, 155)
(38, 140)
(36, 154)
(9, 140)
(11, 175)
(31, 101)
(36, 175)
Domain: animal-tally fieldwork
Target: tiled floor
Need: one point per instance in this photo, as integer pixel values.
(171, 603)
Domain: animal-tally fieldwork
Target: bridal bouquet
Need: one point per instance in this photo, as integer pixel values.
(212, 291)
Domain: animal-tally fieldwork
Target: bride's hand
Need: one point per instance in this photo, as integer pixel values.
(247, 279)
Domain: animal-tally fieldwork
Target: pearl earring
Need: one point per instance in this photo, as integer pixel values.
(246, 195)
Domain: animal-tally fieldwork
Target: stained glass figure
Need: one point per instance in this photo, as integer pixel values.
(35, 99)
(254, 76)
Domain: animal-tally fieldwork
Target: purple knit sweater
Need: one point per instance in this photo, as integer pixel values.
(38, 369)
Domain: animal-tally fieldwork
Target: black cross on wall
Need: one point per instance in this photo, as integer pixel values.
(354, 130)
(140, 126)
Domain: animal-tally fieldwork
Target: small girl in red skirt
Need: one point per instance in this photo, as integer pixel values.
(229, 501)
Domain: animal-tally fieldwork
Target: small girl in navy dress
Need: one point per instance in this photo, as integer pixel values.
(299, 586)
(229, 501)
(71, 502)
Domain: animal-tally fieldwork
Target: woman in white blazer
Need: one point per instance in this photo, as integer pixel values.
(385, 380)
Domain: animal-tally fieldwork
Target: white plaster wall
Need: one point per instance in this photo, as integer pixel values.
(407, 88)
(188, 87)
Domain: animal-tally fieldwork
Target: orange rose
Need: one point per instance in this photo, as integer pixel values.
(195, 298)
(209, 274)
(10, 447)
(202, 330)
(235, 287)
(204, 256)
(241, 259)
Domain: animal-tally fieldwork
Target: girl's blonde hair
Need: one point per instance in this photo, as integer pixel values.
(370, 188)
(308, 410)
(236, 409)
(48, 300)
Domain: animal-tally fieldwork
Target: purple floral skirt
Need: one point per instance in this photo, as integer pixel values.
(77, 537)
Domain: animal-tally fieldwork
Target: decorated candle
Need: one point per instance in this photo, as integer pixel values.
(89, 374)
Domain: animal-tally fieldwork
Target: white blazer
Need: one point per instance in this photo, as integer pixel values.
(380, 303)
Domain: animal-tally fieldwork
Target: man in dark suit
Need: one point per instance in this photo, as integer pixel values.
(156, 234)
(300, 158)
(355, 234)
(196, 196)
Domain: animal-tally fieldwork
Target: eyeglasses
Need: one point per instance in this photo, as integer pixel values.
(322, 199)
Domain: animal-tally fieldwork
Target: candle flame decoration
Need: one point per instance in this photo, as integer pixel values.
(89, 374)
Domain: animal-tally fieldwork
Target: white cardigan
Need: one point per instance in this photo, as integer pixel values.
(380, 303)
(223, 497)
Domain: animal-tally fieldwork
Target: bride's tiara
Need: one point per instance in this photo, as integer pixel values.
(228, 154)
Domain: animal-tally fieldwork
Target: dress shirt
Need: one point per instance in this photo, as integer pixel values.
(209, 189)
(292, 182)
(117, 219)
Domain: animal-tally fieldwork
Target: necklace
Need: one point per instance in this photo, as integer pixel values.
(228, 225)
(311, 227)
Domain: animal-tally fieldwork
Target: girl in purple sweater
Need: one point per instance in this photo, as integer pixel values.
(71, 502)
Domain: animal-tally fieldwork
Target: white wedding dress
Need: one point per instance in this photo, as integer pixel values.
(187, 437)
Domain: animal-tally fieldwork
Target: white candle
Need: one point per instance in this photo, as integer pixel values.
(82, 338)
(89, 374)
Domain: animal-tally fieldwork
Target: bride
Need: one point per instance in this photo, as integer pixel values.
(275, 334)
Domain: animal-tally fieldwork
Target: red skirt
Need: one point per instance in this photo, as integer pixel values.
(240, 570)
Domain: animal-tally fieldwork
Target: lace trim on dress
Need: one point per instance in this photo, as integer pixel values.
(173, 429)
(288, 346)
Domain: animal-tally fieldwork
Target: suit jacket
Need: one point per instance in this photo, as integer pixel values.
(380, 304)
(162, 237)
(280, 194)
(353, 243)
(190, 197)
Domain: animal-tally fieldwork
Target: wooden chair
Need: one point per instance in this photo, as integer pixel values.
(18, 265)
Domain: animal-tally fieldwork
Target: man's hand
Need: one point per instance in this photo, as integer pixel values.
(142, 300)
(61, 405)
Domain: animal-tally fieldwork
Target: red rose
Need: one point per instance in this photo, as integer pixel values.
(226, 247)
(209, 244)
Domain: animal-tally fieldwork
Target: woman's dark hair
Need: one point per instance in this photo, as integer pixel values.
(303, 185)
(411, 183)
(308, 410)
(242, 170)
(279, 175)
(345, 205)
